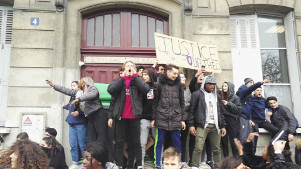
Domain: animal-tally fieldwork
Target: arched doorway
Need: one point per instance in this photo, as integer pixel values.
(110, 36)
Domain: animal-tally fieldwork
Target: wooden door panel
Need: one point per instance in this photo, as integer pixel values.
(101, 73)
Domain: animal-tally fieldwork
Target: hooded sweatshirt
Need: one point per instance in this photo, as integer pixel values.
(211, 103)
(198, 113)
(233, 108)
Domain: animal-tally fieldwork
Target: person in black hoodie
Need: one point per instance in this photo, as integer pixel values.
(232, 108)
(147, 103)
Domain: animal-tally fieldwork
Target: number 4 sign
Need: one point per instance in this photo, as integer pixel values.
(34, 21)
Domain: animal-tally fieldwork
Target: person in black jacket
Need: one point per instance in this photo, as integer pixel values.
(206, 118)
(231, 108)
(273, 153)
(147, 102)
(55, 152)
(194, 85)
(126, 110)
(283, 119)
(169, 111)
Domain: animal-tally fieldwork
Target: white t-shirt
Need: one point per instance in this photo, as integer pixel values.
(210, 100)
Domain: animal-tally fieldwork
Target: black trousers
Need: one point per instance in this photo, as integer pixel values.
(232, 128)
(128, 130)
(97, 130)
(266, 125)
(184, 134)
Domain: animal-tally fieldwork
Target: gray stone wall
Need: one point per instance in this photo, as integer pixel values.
(36, 55)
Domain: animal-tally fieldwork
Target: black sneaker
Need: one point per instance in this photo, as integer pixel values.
(158, 167)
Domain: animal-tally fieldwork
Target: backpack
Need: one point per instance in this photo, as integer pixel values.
(297, 123)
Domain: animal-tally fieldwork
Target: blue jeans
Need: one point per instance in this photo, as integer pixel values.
(160, 136)
(77, 138)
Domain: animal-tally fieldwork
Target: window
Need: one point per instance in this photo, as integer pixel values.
(263, 47)
(128, 29)
(273, 49)
(6, 23)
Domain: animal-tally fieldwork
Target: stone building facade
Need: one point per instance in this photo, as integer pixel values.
(255, 38)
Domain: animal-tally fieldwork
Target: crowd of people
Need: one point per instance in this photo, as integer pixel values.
(153, 106)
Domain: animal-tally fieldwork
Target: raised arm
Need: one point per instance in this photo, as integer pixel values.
(62, 89)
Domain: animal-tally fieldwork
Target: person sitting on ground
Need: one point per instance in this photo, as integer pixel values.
(22, 136)
(55, 152)
(172, 158)
(96, 157)
(24, 154)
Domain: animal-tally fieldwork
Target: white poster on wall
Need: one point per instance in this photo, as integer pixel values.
(33, 124)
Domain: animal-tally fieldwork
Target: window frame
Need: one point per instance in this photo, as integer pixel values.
(125, 33)
(292, 57)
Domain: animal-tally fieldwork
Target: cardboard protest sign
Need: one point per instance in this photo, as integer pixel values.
(187, 54)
